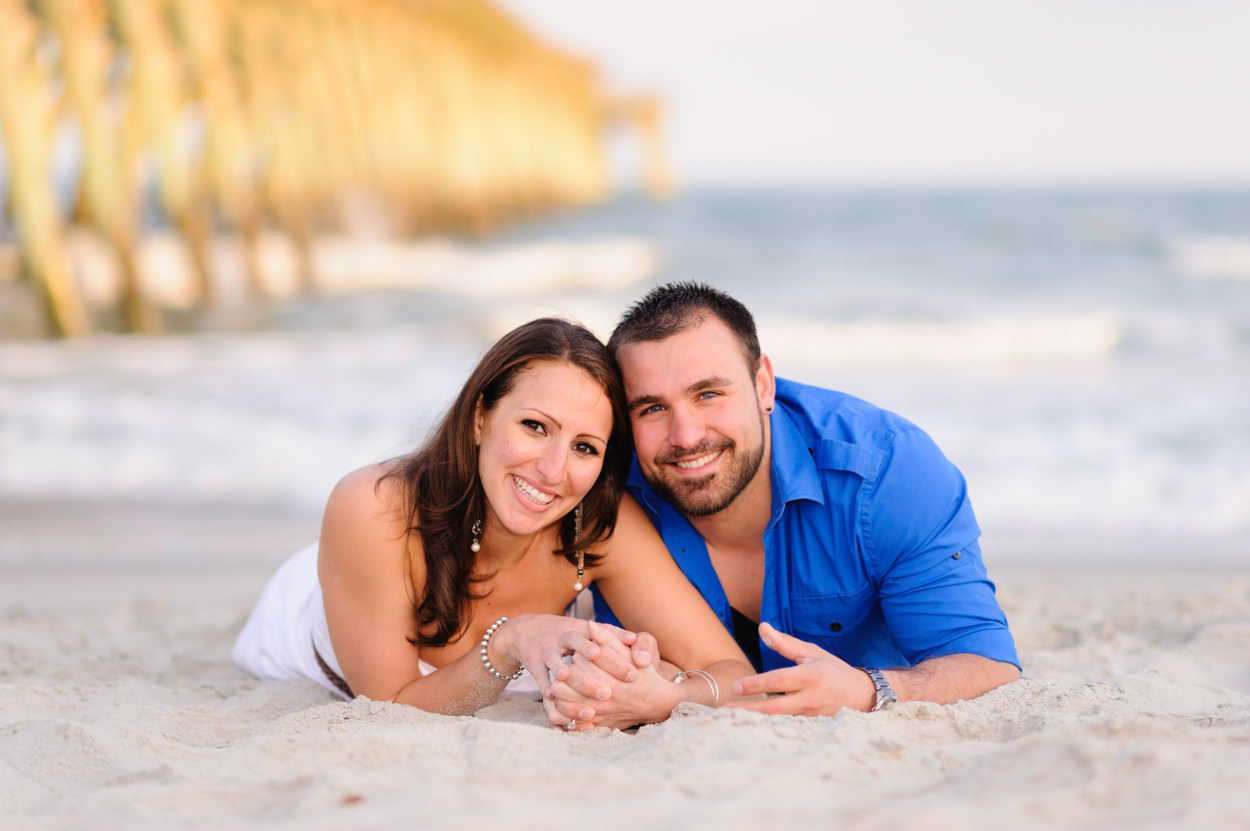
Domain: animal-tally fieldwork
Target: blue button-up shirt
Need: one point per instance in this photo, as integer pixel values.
(871, 550)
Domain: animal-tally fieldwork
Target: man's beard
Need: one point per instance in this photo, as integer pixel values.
(714, 493)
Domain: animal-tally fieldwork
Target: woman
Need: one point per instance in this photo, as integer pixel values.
(440, 578)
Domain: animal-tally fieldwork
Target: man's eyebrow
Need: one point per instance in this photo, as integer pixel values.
(710, 383)
(634, 403)
(714, 382)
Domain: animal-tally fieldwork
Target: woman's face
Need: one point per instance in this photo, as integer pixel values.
(542, 446)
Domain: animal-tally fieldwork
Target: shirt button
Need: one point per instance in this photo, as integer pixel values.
(957, 555)
(835, 627)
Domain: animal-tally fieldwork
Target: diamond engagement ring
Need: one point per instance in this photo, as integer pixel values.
(572, 725)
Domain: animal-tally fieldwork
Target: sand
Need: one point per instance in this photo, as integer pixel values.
(119, 708)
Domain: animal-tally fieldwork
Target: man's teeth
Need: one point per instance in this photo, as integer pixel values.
(699, 462)
(533, 492)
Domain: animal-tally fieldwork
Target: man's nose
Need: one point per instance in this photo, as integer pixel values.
(685, 428)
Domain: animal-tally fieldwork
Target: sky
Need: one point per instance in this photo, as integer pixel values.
(928, 91)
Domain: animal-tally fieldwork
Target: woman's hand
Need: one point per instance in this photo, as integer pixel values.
(588, 695)
(546, 646)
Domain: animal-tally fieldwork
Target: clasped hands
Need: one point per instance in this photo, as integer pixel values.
(604, 676)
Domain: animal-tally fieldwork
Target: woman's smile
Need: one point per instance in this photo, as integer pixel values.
(531, 492)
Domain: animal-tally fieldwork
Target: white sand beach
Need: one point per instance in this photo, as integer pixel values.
(119, 708)
(1084, 382)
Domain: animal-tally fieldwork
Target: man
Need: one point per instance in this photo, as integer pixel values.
(832, 531)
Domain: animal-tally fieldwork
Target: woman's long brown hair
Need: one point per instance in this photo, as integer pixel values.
(444, 493)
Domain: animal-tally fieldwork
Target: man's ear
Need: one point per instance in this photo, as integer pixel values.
(766, 384)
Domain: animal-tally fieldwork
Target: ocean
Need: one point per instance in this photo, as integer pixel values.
(1082, 356)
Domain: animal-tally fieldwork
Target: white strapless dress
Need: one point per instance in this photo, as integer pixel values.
(287, 630)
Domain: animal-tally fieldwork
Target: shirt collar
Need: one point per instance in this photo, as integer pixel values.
(794, 474)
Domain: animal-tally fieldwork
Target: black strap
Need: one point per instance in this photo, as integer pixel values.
(747, 634)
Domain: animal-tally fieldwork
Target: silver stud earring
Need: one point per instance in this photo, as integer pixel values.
(577, 544)
(476, 545)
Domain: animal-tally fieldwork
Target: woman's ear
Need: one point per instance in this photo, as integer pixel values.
(478, 417)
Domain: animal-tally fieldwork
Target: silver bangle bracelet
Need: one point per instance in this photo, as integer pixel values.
(490, 630)
(706, 676)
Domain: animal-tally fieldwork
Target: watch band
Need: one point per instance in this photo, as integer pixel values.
(885, 693)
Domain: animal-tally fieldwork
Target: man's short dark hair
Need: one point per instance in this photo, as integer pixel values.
(672, 308)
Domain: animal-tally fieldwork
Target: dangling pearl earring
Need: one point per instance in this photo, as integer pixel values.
(577, 544)
(476, 545)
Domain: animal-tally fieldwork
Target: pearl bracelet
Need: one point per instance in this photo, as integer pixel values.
(490, 630)
(706, 676)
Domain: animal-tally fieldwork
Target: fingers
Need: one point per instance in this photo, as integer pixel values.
(572, 724)
(598, 649)
(788, 691)
(567, 707)
(789, 646)
(780, 705)
(645, 651)
(816, 686)
(586, 685)
(577, 639)
(551, 669)
(614, 657)
(777, 682)
(602, 632)
(562, 713)
(589, 679)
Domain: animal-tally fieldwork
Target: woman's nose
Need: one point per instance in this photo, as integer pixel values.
(551, 464)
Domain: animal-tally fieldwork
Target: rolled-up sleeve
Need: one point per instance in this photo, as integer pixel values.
(921, 538)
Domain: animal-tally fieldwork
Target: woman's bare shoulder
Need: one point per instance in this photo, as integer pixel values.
(370, 488)
(366, 508)
(630, 517)
(633, 530)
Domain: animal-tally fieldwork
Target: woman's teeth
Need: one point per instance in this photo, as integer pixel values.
(532, 492)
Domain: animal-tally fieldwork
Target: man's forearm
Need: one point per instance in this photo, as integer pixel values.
(950, 678)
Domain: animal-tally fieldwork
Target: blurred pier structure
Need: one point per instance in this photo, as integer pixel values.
(236, 119)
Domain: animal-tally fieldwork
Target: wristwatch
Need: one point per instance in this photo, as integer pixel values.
(885, 693)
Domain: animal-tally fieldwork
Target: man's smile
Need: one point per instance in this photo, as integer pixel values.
(702, 461)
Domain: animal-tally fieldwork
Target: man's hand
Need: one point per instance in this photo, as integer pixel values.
(819, 684)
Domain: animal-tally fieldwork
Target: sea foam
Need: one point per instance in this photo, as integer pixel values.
(973, 343)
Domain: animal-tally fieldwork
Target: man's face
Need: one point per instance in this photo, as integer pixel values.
(697, 413)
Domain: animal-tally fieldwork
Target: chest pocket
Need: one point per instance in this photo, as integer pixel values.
(832, 620)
